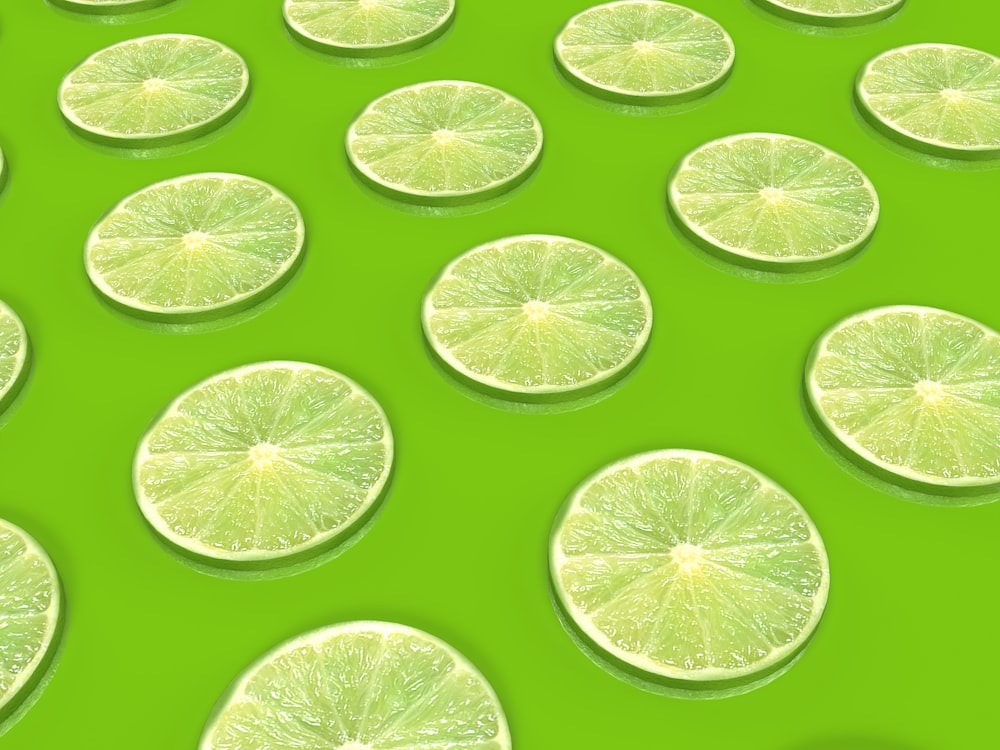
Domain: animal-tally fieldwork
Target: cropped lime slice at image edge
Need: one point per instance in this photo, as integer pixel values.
(367, 28)
(15, 356)
(773, 203)
(688, 573)
(31, 613)
(154, 91)
(4, 172)
(264, 466)
(644, 52)
(537, 319)
(108, 7)
(360, 686)
(195, 248)
(939, 99)
(833, 12)
(912, 395)
(445, 143)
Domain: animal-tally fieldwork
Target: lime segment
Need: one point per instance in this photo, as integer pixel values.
(14, 354)
(834, 12)
(107, 7)
(360, 686)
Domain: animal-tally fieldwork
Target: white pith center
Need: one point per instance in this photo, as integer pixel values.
(365, 5)
(536, 310)
(444, 137)
(772, 195)
(194, 241)
(153, 85)
(931, 391)
(263, 455)
(688, 558)
(643, 47)
(952, 96)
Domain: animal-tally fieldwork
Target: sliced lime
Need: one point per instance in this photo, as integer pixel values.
(14, 356)
(30, 617)
(360, 686)
(773, 201)
(689, 570)
(645, 52)
(3, 171)
(937, 98)
(155, 90)
(834, 12)
(445, 142)
(914, 393)
(368, 27)
(258, 466)
(107, 7)
(195, 247)
(537, 318)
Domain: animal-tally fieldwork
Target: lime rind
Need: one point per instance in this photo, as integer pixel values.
(862, 13)
(108, 7)
(15, 356)
(133, 305)
(4, 171)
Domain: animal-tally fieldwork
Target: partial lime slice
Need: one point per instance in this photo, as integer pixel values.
(834, 12)
(368, 28)
(155, 90)
(360, 686)
(196, 247)
(937, 98)
(3, 171)
(260, 465)
(538, 318)
(689, 570)
(14, 356)
(109, 7)
(914, 393)
(445, 142)
(30, 617)
(645, 52)
(774, 202)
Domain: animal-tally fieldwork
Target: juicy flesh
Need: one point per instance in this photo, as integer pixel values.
(11, 350)
(838, 7)
(367, 23)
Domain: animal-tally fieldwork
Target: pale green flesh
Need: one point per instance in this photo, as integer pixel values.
(866, 384)
(205, 483)
(194, 243)
(835, 8)
(367, 23)
(937, 94)
(362, 686)
(754, 598)
(195, 81)
(678, 50)
(13, 345)
(724, 192)
(482, 314)
(491, 138)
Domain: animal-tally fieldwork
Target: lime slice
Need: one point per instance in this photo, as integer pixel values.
(537, 318)
(107, 7)
(14, 356)
(368, 28)
(445, 142)
(914, 393)
(645, 52)
(30, 617)
(195, 247)
(689, 570)
(155, 90)
(260, 465)
(773, 202)
(834, 12)
(360, 686)
(937, 98)
(3, 171)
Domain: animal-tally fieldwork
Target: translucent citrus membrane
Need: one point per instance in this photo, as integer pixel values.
(13, 355)
(834, 12)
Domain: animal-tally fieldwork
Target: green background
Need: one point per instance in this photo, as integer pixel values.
(906, 656)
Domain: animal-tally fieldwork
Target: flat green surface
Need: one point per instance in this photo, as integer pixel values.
(906, 656)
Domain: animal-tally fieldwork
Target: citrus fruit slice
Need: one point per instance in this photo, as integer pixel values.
(445, 142)
(937, 98)
(645, 52)
(14, 355)
(834, 12)
(260, 465)
(689, 570)
(30, 616)
(364, 28)
(773, 202)
(537, 318)
(195, 247)
(360, 686)
(108, 7)
(914, 393)
(3, 171)
(154, 90)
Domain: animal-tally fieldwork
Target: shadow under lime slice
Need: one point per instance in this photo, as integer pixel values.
(31, 610)
(360, 686)
(689, 570)
(537, 318)
(937, 98)
(15, 353)
(155, 90)
(773, 202)
(195, 248)
(445, 143)
(833, 12)
(643, 52)
(913, 395)
(367, 28)
(108, 7)
(264, 466)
